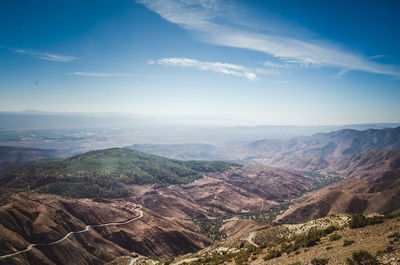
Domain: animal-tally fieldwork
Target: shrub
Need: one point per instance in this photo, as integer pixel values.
(288, 248)
(310, 239)
(359, 220)
(334, 237)
(394, 235)
(330, 229)
(375, 220)
(319, 261)
(362, 257)
(348, 242)
(272, 254)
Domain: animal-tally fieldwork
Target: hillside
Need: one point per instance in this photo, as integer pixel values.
(189, 205)
(177, 219)
(332, 240)
(371, 185)
(27, 218)
(105, 173)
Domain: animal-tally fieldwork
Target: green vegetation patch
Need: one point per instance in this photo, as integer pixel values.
(360, 220)
(210, 228)
(106, 172)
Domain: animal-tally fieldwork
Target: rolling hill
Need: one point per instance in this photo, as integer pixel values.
(105, 173)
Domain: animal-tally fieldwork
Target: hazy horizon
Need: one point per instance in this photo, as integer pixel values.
(165, 120)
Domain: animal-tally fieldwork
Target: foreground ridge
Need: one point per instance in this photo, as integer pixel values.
(87, 228)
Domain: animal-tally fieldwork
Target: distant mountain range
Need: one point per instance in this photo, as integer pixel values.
(316, 151)
(301, 153)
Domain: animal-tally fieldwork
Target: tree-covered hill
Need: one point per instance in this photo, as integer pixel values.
(107, 173)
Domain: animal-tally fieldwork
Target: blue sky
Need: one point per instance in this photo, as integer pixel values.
(216, 62)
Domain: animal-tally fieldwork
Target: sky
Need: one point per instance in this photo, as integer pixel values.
(275, 62)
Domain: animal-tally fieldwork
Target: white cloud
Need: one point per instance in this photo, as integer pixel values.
(203, 17)
(92, 74)
(46, 56)
(225, 68)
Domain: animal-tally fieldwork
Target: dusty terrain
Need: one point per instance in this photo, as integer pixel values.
(381, 240)
(241, 190)
(29, 218)
(371, 185)
(168, 226)
(370, 238)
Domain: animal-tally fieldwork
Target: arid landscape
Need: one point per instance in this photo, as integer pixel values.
(104, 205)
(199, 132)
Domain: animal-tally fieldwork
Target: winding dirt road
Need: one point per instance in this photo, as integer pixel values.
(87, 228)
(250, 239)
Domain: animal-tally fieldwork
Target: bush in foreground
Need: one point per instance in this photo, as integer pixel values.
(362, 257)
(348, 242)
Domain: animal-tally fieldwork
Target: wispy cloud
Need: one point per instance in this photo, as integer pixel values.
(224, 68)
(204, 17)
(378, 56)
(92, 74)
(46, 56)
(276, 65)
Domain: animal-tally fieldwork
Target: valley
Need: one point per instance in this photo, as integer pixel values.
(199, 132)
(129, 207)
